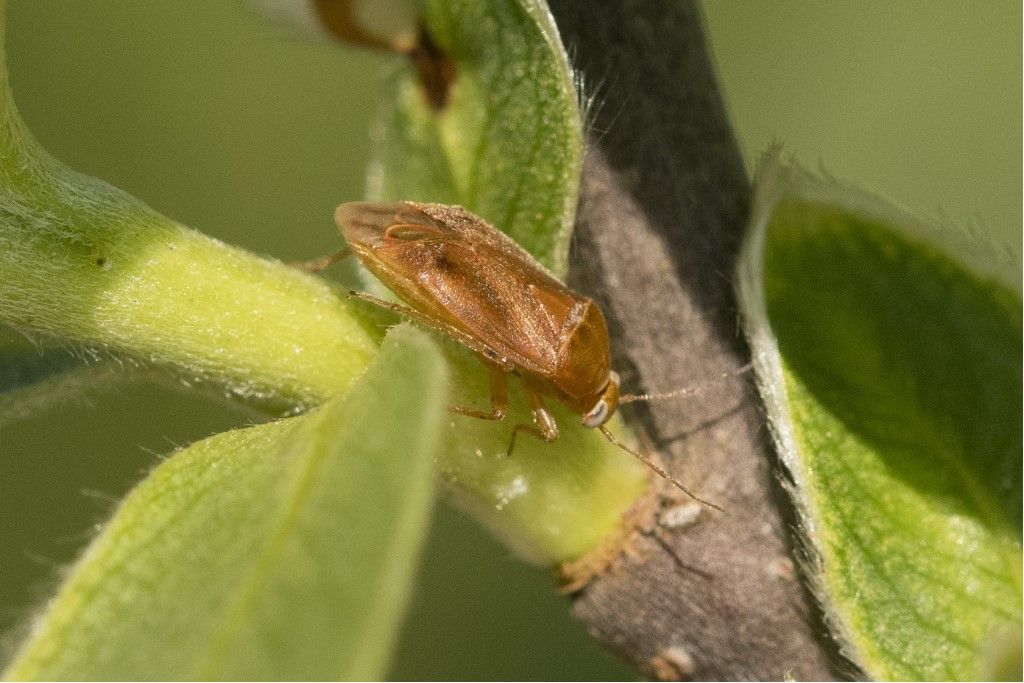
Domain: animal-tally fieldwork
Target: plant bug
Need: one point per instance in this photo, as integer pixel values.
(459, 275)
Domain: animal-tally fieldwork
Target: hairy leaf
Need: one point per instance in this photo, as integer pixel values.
(888, 353)
(507, 143)
(281, 551)
(31, 381)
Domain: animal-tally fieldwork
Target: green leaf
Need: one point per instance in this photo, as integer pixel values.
(507, 145)
(34, 377)
(22, 367)
(889, 356)
(31, 381)
(281, 551)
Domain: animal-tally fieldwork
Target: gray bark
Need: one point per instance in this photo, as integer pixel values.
(663, 200)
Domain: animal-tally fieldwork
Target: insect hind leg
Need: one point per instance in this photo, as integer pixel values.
(499, 399)
(546, 428)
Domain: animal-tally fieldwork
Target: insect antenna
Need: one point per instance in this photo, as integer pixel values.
(689, 391)
(658, 470)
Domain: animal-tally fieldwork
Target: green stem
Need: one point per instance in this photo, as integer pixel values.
(86, 263)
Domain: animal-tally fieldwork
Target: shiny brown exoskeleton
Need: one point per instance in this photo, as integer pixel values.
(462, 277)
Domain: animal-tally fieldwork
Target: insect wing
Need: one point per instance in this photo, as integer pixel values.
(364, 224)
(458, 270)
(481, 292)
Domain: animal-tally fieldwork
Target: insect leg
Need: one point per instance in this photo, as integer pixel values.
(317, 264)
(546, 429)
(499, 398)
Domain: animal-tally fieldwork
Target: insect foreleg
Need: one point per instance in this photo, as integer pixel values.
(499, 398)
(546, 429)
(317, 264)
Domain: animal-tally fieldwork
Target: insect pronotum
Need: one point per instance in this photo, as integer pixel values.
(459, 275)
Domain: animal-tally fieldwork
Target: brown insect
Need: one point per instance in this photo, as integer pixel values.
(459, 275)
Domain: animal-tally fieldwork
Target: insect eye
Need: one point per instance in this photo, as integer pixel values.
(597, 415)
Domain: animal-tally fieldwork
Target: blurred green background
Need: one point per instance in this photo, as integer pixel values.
(251, 133)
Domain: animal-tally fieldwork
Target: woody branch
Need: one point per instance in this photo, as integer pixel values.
(663, 200)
